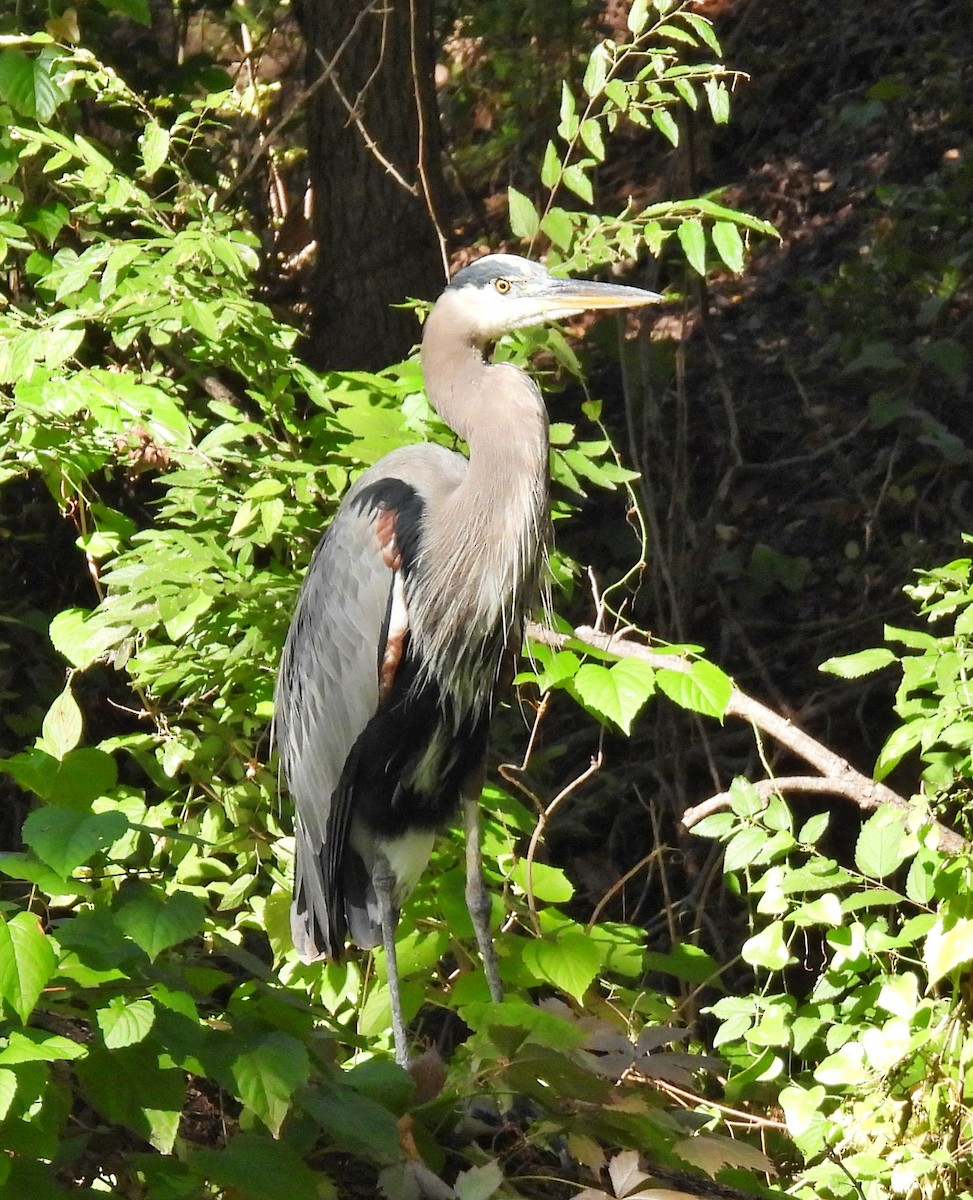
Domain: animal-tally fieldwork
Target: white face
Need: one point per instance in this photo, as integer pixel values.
(513, 299)
(503, 293)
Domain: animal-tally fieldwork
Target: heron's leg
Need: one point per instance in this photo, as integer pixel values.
(384, 882)
(477, 896)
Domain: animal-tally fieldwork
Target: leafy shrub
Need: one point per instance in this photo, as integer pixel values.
(859, 1019)
(164, 1042)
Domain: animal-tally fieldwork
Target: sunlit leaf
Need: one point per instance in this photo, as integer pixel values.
(27, 962)
(33, 1045)
(692, 238)
(28, 83)
(547, 883)
(704, 688)
(729, 244)
(666, 124)
(883, 844)
(597, 70)
(155, 147)
(155, 920)
(616, 693)
(124, 1022)
(577, 181)
(852, 666)
(846, 1067)
(8, 1090)
(638, 17)
(65, 838)
(479, 1183)
(948, 945)
(767, 949)
(268, 1074)
(63, 725)
(571, 963)
(524, 220)
(718, 99)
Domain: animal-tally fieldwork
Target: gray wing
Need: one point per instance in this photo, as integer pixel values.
(327, 691)
(330, 684)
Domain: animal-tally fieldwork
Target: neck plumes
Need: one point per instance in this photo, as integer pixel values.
(488, 536)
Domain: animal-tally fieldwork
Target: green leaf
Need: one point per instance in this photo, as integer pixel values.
(134, 1086)
(31, 869)
(570, 963)
(34, 1046)
(256, 1168)
(80, 778)
(901, 741)
(512, 1022)
(63, 725)
(825, 910)
(718, 99)
(66, 839)
(355, 1122)
(524, 221)
(767, 949)
(920, 884)
(596, 71)
(155, 921)
(676, 34)
(845, 1068)
(27, 962)
(550, 166)
(124, 1022)
(703, 28)
(479, 1183)
(667, 125)
(638, 17)
(268, 1075)
(28, 85)
(592, 137)
(577, 181)
(729, 245)
(155, 147)
(883, 844)
(568, 124)
(8, 1091)
(685, 961)
(615, 693)
(548, 883)
(945, 949)
(852, 666)
(802, 1107)
(814, 829)
(704, 688)
(742, 847)
(559, 228)
(692, 238)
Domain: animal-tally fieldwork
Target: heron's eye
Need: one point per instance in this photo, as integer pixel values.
(502, 286)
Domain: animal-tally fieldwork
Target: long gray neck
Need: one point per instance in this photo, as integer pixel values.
(488, 536)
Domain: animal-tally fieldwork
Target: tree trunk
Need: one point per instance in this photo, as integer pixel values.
(375, 174)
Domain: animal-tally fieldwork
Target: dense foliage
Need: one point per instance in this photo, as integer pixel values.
(161, 1040)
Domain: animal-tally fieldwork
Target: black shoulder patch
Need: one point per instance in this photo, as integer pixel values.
(395, 495)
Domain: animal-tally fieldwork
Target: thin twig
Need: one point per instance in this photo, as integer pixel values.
(839, 777)
(299, 101)
(592, 769)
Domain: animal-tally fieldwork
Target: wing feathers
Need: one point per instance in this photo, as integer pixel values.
(344, 647)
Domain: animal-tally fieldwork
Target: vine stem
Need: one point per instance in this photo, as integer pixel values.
(837, 776)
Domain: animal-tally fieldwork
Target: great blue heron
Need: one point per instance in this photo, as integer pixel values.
(409, 619)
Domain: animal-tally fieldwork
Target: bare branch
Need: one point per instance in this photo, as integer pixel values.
(838, 776)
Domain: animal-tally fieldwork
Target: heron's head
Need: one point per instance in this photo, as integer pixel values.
(502, 292)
